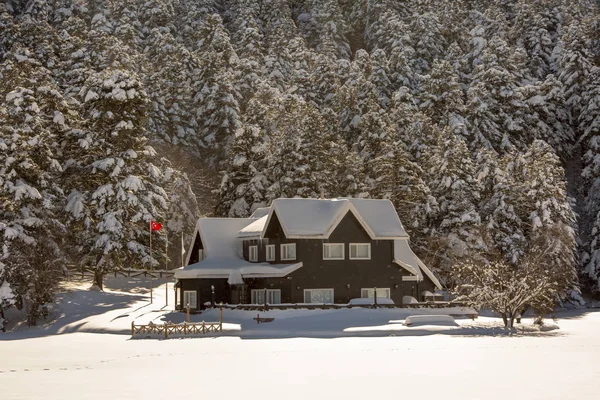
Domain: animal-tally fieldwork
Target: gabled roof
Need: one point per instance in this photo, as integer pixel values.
(218, 236)
(254, 229)
(260, 212)
(404, 257)
(318, 218)
(223, 254)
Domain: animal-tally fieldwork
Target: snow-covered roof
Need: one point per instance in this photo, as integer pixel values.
(223, 254)
(234, 269)
(317, 218)
(404, 256)
(260, 212)
(254, 229)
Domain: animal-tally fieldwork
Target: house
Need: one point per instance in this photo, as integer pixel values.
(303, 251)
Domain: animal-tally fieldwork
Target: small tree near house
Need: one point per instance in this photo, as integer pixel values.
(537, 281)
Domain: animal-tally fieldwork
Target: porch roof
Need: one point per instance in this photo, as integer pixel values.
(234, 270)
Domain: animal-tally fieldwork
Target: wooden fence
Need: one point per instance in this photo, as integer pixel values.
(320, 306)
(169, 329)
(85, 273)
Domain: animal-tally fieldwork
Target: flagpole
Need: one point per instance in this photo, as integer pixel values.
(166, 262)
(151, 280)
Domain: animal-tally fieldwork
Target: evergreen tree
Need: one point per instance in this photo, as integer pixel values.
(441, 98)
(590, 126)
(451, 180)
(244, 183)
(31, 231)
(574, 66)
(114, 177)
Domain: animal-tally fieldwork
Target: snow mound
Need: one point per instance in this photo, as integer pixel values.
(420, 320)
(363, 301)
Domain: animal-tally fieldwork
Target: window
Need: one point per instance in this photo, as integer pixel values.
(333, 251)
(288, 251)
(273, 296)
(369, 293)
(253, 253)
(318, 295)
(360, 251)
(189, 297)
(200, 255)
(271, 252)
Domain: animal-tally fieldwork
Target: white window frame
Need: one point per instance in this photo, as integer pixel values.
(269, 293)
(186, 293)
(327, 251)
(310, 290)
(356, 246)
(379, 290)
(284, 251)
(270, 249)
(253, 253)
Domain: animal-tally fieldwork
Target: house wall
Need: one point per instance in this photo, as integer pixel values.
(347, 277)
(203, 288)
(317, 273)
(197, 246)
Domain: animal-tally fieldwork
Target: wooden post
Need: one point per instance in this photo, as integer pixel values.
(375, 297)
(166, 333)
(151, 281)
(166, 263)
(221, 317)
(132, 328)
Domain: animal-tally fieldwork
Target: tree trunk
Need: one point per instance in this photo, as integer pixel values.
(99, 280)
(521, 313)
(512, 319)
(2, 319)
(504, 319)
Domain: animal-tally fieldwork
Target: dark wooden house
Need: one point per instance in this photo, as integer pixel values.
(303, 251)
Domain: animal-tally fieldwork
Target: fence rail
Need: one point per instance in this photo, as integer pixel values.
(127, 273)
(326, 306)
(169, 329)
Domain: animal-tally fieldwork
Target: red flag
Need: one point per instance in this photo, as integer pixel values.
(155, 226)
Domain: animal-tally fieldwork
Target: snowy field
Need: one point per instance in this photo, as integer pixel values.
(340, 354)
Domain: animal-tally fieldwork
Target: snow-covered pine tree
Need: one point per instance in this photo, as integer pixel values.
(496, 109)
(530, 200)
(451, 178)
(244, 183)
(551, 218)
(327, 29)
(589, 124)
(380, 77)
(114, 176)
(441, 98)
(172, 118)
(31, 231)
(392, 174)
(356, 98)
(215, 95)
(302, 159)
(574, 66)
(550, 118)
(427, 40)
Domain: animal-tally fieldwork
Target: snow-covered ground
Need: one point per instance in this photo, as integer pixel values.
(301, 354)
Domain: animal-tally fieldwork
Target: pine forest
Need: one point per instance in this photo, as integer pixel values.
(479, 120)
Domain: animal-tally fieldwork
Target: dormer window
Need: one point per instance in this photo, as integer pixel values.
(253, 253)
(288, 251)
(270, 252)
